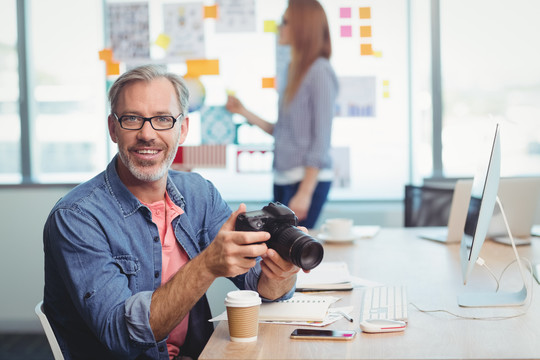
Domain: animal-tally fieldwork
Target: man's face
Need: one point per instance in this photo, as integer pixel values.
(147, 154)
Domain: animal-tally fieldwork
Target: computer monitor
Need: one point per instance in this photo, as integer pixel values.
(481, 205)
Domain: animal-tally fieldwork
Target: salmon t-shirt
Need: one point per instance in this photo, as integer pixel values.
(173, 258)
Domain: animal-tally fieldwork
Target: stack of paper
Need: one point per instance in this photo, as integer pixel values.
(326, 276)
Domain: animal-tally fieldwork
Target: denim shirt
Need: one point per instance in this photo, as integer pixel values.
(103, 262)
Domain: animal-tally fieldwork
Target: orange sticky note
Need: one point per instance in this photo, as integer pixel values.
(366, 49)
(365, 31)
(210, 12)
(269, 83)
(365, 13)
(106, 55)
(196, 68)
(112, 68)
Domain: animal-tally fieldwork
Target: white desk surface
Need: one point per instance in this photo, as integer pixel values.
(432, 273)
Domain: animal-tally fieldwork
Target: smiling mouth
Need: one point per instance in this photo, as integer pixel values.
(147, 152)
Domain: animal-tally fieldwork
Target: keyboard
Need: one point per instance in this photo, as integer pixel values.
(385, 302)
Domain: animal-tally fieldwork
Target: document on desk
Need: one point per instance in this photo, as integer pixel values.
(301, 309)
(326, 276)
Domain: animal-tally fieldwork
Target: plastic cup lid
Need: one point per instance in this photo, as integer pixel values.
(242, 298)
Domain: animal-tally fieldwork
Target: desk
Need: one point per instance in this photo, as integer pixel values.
(432, 273)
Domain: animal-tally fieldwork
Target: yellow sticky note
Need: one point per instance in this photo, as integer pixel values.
(365, 31)
(270, 26)
(196, 68)
(377, 54)
(386, 94)
(106, 55)
(365, 13)
(366, 49)
(230, 92)
(210, 12)
(163, 41)
(269, 83)
(112, 68)
(386, 82)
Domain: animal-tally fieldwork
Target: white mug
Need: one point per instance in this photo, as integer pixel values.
(338, 228)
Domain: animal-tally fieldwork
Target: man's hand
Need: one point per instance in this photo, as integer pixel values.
(233, 252)
(278, 275)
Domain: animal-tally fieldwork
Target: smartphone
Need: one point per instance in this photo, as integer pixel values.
(323, 334)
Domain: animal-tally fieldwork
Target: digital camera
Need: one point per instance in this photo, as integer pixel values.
(291, 243)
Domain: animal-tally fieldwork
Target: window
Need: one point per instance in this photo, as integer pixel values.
(10, 135)
(69, 128)
(490, 73)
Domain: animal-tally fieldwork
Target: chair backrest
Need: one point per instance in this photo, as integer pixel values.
(57, 353)
(427, 206)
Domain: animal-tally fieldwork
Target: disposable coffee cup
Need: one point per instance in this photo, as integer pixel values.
(337, 228)
(243, 315)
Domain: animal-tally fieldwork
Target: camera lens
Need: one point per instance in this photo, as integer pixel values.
(297, 247)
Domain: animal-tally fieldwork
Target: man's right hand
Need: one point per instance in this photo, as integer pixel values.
(233, 252)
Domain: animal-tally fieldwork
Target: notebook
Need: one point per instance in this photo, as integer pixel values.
(300, 307)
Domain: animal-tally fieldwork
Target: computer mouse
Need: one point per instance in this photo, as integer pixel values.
(382, 325)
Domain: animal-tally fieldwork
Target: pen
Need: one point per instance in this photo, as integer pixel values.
(346, 316)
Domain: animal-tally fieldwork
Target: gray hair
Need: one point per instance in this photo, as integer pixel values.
(149, 73)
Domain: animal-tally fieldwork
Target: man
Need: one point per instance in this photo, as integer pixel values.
(130, 254)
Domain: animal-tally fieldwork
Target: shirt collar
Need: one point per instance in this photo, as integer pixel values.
(127, 202)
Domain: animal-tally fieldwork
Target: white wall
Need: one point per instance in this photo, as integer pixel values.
(23, 213)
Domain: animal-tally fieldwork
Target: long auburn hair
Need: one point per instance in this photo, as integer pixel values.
(310, 39)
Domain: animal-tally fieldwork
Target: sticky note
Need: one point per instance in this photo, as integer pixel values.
(163, 41)
(106, 55)
(112, 68)
(270, 26)
(377, 54)
(386, 82)
(366, 49)
(230, 92)
(345, 12)
(386, 94)
(365, 31)
(365, 13)
(196, 68)
(346, 31)
(269, 83)
(210, 12)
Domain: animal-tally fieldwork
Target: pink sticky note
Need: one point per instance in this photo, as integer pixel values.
(346, 31)
(345, 12)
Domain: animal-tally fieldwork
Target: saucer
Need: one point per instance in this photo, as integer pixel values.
(328, 238)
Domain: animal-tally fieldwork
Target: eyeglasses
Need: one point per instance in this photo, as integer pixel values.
(134, 122)
(283, 22)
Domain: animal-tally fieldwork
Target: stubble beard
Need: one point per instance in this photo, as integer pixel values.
(137, 168)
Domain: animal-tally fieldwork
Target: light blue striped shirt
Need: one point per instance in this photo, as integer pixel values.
(303, 131)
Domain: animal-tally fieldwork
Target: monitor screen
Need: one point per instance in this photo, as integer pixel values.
(481, 205)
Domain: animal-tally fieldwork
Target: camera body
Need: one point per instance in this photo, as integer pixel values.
(290, 243)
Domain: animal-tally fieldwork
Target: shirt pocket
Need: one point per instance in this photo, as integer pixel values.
(129, 266)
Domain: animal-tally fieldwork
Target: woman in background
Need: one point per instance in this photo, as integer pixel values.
(302, 163)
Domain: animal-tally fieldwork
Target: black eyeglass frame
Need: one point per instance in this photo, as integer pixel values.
(149, 119)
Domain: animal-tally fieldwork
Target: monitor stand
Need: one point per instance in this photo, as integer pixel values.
(499, 298)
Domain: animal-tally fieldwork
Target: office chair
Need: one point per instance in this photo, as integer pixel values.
(427, 206)
(57, 353)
